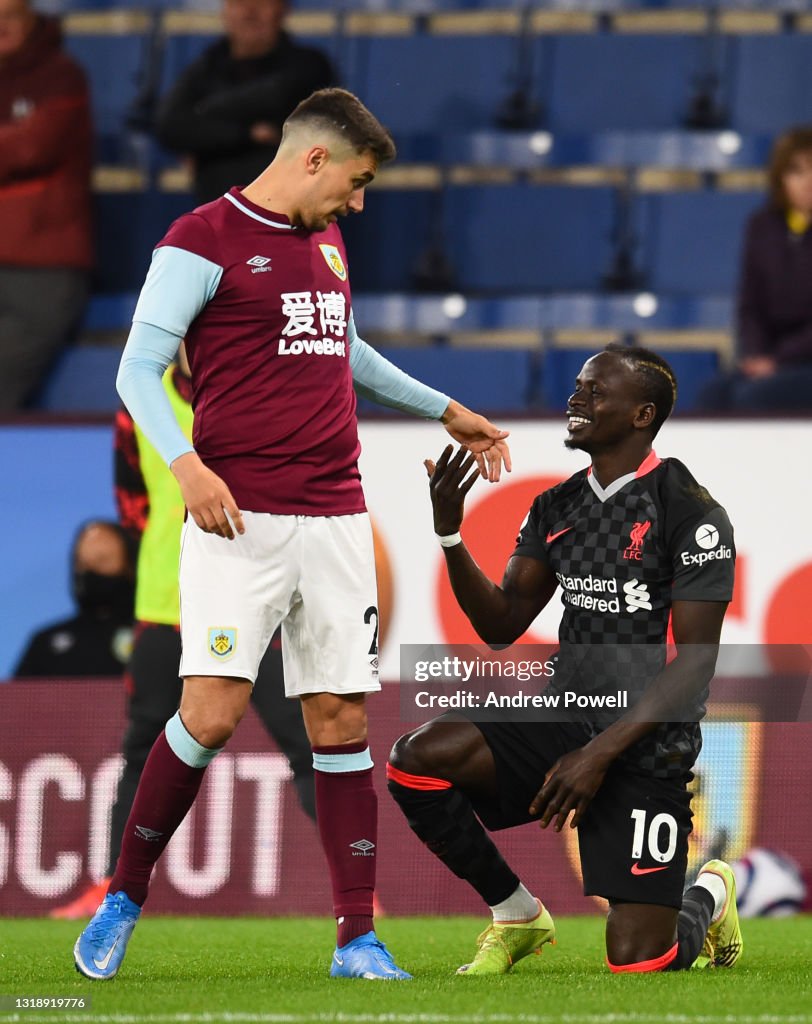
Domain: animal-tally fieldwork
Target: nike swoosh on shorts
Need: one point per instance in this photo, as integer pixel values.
(637, 870)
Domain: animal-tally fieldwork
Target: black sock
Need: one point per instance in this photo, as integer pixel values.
(444, 820)
(692, 926)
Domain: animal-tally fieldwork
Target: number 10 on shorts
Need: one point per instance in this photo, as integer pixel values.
(654, 834)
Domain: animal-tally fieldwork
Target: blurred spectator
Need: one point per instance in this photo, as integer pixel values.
(45, 164)
(774, 329)
(97, 641)
(226, 110)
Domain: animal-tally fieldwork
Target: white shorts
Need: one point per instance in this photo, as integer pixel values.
(313, 574)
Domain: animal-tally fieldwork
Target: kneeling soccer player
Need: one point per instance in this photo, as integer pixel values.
(641, 532)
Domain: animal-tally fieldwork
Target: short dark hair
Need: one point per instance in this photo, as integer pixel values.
(786, 147)
(339, 111)
(658, 382)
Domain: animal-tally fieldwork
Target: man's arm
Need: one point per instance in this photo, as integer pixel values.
(575, 778)
(376, 378)
(178, 286)
(499, 614)
(132, 497)
(33, 146)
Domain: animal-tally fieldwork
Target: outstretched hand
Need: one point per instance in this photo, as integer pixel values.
(480, 436)
(450, 480)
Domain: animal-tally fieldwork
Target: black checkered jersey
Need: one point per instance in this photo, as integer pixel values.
(621, 556)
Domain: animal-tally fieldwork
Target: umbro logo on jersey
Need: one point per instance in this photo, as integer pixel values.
(554, 536)
(362, 848)
(637, 596)
(259, 264)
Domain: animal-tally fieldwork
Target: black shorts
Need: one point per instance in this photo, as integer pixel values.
(633, 838)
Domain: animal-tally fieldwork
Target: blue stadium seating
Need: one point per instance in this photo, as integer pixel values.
(384, 243)
(561, 366)
(484, 379)
(609, 82)
(771, 82)
(519, 238)
(84, 380)
(423, 83)
(691, 240)
(113, 64)
(128, 225)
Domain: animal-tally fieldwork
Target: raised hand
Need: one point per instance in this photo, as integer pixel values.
(450, 480)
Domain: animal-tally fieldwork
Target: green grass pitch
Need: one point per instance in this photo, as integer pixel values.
(190, 970)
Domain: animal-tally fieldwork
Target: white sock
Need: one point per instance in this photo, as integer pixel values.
(521, 905)
(716, 887)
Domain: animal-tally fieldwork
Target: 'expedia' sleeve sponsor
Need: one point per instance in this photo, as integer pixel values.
(530, 542)
(704, 559)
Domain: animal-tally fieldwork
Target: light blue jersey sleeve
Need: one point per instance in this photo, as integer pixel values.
(378, 379)
(178, 286)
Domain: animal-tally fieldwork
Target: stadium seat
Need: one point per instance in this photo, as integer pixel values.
(84, 380)
(485, 380)
(608, 82)
(112, 56)
(128, 225)
(385, 242)
(771, 82)
(420, 84)
(522, 237)
(691, 241)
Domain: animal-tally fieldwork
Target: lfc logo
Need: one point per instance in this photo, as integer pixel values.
(634, 552)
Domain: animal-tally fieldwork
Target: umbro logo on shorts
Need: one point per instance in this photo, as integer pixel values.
(362, 848)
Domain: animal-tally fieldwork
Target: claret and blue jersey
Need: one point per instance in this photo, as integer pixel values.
(266, 311)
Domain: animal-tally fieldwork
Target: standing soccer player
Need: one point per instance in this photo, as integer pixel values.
(277, 530)
(632, 541)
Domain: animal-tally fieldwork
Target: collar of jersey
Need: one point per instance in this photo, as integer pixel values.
(650, 462)
(257, 212)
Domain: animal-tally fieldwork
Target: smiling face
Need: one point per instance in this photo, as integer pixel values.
(337, 182)
(607, 407)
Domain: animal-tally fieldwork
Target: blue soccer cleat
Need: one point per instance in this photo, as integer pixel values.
(366, 957)
(100, 948)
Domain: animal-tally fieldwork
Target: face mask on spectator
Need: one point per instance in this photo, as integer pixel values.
(95, 592)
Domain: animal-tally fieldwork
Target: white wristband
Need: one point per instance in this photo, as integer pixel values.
(450, 540)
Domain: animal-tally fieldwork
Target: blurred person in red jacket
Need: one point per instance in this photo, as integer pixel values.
(45, 224)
